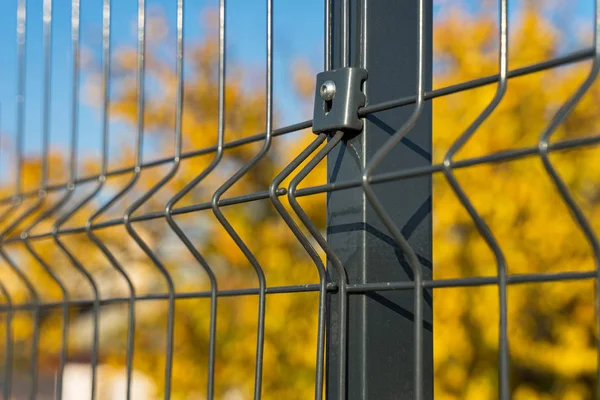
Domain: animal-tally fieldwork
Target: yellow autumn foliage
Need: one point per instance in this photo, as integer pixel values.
(552, 326)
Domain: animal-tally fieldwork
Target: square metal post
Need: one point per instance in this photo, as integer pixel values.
(380, 356)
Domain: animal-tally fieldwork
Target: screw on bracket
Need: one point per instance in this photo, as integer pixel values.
(337, 100)
(327, 90)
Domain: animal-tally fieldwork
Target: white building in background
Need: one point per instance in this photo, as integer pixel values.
(110, 383)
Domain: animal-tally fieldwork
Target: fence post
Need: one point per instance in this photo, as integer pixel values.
(380, 366)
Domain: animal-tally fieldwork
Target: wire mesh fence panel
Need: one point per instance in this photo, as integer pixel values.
(168, 229)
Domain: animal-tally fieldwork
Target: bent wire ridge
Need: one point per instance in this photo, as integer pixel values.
(240, 173)
(152, 191)
(83, 202)
(448, 167)
(274, 193)
(206, 267)
(482, 227)
(162, 182)
(194, 182)
(89, 226)
(387, 220)
(72, 167)
(30, 288)
(248, 254)
(17, 199)
(163, 270)
(576, 56)
(331, 256)
(63, 288)
(115, 264)
(495, 157)
(36, 321)
(563, 190)
(88, 277)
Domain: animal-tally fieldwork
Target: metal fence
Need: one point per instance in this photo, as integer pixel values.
(375, 293)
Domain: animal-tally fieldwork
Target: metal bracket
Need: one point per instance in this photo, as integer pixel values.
(338, 97)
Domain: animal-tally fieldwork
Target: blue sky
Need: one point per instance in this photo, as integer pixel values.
(297, 27)
(298, 34)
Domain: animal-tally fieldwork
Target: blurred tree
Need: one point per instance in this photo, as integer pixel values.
(290, 330)
(551, 326)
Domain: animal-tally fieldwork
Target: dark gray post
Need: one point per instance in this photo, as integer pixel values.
(383, 40)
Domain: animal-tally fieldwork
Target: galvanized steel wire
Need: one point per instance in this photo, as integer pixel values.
(313, 154)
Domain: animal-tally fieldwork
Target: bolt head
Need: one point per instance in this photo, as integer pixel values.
(327, 90)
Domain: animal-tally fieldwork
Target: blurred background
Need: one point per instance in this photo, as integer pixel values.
(552, 328)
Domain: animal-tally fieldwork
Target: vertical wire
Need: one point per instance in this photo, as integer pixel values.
(327, 23)
(21, 47)
(146, 196)
(66, 298)
(192, 184)
(576, 212)
(274, 192)
(480, 224)
(72, 167)
(20, 114)
(269, 83)
(35, 336)
(235, 178)
(47, 19)
(269, 133)
(100, 183)
(345, 33)
(75, 26)
(129, 353)
(75, 37)
(8, 347)
(41, 193)
(331, 256)
(106, 26)
(8, 351)
(342, 276)
(89, 226)
(13, 204)
(386, 219)
(364, 37)
(140, 79)
(21, 39)
(321, 269)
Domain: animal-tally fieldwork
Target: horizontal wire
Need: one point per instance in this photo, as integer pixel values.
(358, 288)
(246, 198)
(573, 57)
(331, 287)
(155, 163)
(179, 295)
(501, 156)
(496, 157)
(471, 282)
(576, 56)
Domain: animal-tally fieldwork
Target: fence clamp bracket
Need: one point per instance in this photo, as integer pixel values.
(338, 97)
